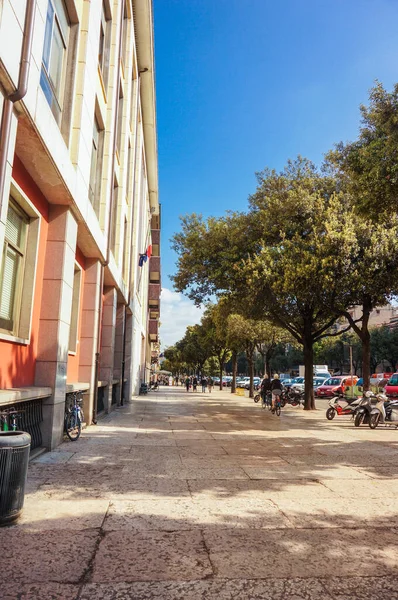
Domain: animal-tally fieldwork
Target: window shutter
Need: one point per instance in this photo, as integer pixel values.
(8, 288)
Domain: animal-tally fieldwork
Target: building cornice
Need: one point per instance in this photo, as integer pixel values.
(143, 21)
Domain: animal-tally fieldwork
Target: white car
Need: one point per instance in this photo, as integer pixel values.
(318, 381)
(242, 383)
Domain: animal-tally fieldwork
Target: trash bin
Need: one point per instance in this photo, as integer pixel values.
(14, 458)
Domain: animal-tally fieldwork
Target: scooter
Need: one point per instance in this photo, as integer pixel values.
(384, 411)
(364, 409)
(341, 407)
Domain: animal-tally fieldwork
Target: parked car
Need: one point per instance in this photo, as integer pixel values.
(216, 380)
(287, 382)
(391, 389)
(256, 383)
(298, 383)
(227, 380)
(335, 385)
(243, 381)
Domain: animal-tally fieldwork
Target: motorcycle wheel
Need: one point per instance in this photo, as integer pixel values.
(359, 419)
(330, 413)
(256, 398)
(374, 421)
(295, 403)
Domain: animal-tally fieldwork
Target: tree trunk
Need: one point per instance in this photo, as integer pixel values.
(309, 400)
(251, 373)
(267, 363)
(234, 370)
(366, 359)
(221, 372)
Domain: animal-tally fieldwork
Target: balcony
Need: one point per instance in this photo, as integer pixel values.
(153, 330)
(154, 290)
(155, 233)
(154, 269)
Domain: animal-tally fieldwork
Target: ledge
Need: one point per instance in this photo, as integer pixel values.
(77, 387)
(23, 394)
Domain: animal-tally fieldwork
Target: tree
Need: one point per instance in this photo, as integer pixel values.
(368, 167)
(246, 333)
(370, 280)
(284, 257)
(214, 330)
(193, 348)
(173, 361)
(273, 336)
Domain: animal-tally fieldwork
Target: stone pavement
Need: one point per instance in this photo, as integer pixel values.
(185, 496)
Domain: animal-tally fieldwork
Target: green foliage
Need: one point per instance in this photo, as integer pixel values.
(368, 167)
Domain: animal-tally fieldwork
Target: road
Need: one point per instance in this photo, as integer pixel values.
(190, 496)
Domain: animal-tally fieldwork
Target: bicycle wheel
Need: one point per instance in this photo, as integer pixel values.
(278, 410)
(73, 426)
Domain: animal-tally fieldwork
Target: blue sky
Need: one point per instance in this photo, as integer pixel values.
(244, 84)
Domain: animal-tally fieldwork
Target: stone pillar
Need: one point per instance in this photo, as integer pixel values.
(118, 353)
(108, 342)
(55, 314)
(128, 357)
(89, 331)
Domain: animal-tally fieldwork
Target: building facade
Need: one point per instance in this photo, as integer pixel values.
(79, 209)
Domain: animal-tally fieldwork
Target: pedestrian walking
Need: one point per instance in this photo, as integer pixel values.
(265, 388)
(203, 382)
(195, 384)
(210, 384)
(187, 383)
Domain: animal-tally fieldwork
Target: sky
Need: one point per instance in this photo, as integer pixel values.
(245, 84)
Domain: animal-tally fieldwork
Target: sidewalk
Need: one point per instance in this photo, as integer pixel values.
(189, 496)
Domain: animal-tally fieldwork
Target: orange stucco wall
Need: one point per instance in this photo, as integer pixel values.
(74, 359)
(17, 361)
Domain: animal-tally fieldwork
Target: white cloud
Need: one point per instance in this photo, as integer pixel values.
(176, 313)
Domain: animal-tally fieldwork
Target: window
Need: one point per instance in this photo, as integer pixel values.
(124, 35)
(119, 120)
(94, 190)
(74, 318)
(12, 270)
(129, 177)
(114, 219)
(52, 78)
(104, 44)
(125, 253)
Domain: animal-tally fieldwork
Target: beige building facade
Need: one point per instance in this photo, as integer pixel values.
(79, 209)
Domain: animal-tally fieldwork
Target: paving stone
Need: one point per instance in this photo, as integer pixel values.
(306, 553)
(53, 556)
(44, 514)
(39, 591)
(362, 588)
(221, 589)
(151, 556)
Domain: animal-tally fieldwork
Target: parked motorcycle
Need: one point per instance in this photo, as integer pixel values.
(364, 409)
(338, 405)
(292, 396)
(385, 411)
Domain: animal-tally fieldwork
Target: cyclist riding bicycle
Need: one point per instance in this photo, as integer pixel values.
(265, 388)
(276, 389)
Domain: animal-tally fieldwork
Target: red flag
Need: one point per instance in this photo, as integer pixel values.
(149, 252)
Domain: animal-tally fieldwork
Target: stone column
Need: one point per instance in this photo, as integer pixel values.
(55, 314)
(108, 342)
(118, 353)
(89, 331)
(128, 389)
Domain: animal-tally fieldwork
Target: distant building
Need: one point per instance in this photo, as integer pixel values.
(383, 315)
(79, 209)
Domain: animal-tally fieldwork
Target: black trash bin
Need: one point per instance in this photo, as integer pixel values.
(14, 459)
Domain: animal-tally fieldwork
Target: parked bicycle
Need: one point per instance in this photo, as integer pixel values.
(9, 419)
(74, 416)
